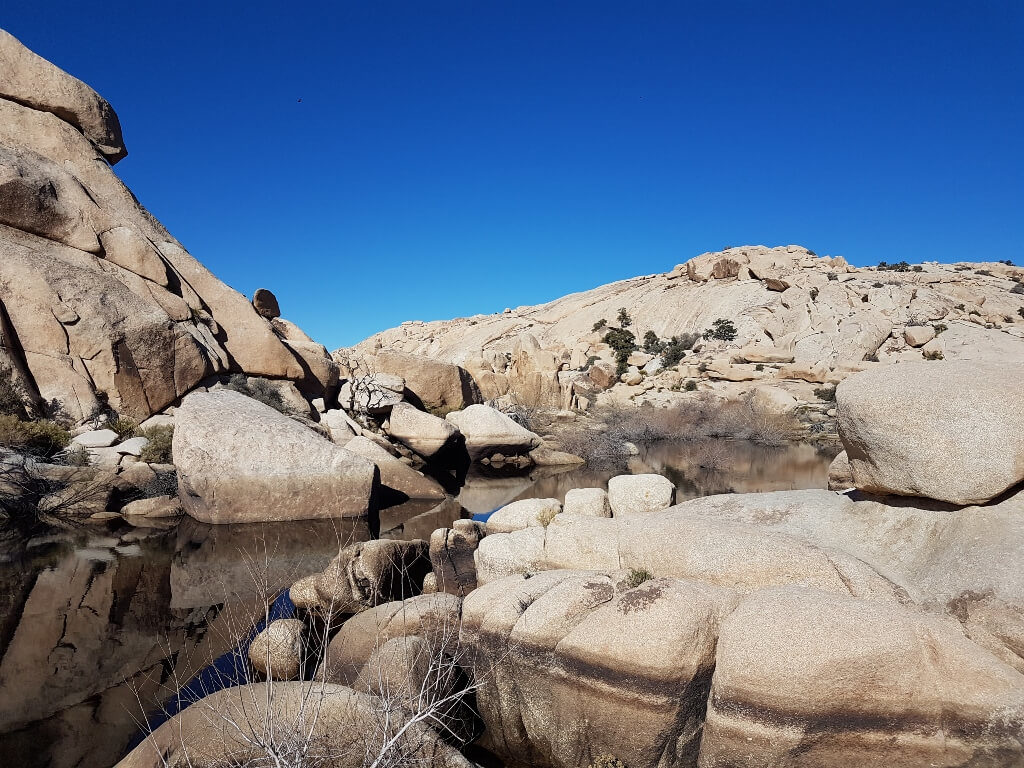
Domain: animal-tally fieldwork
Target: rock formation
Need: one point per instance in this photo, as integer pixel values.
(99, 304)
(800, 319)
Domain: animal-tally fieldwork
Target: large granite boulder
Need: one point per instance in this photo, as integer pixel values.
(422, 432)
(277, 652)
(241, 461)
(574, 665)
(489, 431)
(451, 556)
(330, 726)
(523, 514)
(630, 495)
(396, 476)
(439, 386)
(367, 574)
(804, 678)
(31, 80)
(951, 431)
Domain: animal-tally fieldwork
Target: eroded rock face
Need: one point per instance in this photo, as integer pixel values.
(367, 574)
(942, 430)
(277, 651)
(439, 386)
(31, 80)
(523, 514)
(423, 432)
(582, 664)
(804, 678)
(630, 495)
(241, 461)
(97, 300)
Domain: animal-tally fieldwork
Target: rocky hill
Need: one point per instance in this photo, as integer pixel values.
(797, 317)
(99, 304)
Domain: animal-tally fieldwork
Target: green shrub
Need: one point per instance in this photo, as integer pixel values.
(652, 344)
(722, 330)
(158, 451)
(674, 349)
(985, 272)
(759, 367)
(1021, 311)
(933, 355)
(878, 285)
(814, 294)
(940, 327)
(40, 438)
(623, 342)
(599, 325)
(832, 276)
(124, 427)
(1017, 288)
(623, 319)
(690, 385)
(11, 401)
(637, 576)
(918, 268)
(825, 393)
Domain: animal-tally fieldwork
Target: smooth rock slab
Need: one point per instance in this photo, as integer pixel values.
(804, 678)
(523, 514)
(241, 461)
(489, 431)
(951, 431)
(639, 494)
(97, 438)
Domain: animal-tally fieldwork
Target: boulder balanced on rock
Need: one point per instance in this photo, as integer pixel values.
(241, 461)
(489, 431)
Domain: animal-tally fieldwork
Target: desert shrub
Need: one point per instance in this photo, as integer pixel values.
(623, 342)
(1007, 262)
(674, 349)
(652, 344)
(545, 517)
(825, 393)
(11, 401)
(832, 276)
(960, 307)
(42, 438)
(590, 361)
(258, 389)
(985, 272)
(899, 266)
(623, 319)
(940, 327)
(721, 330)
(158, 451)
(813, 293)
(599, 325)
(918, 268)
(690, 385)
(1021, 311)
(759, 367)
(878, 285)
(1017, 288)
(933, 355)
(77, 457)
(872, 358)
(124, 427)
(637, 576)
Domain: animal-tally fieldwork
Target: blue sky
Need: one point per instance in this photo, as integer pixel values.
(450, 158)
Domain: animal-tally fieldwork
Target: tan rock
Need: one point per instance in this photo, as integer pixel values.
(918, 335)
(423, 432)
(840, 475)
(592, 502)
(31, 80)
(266, 304)
(241, 461)
(439, 386)
(489, 431)
(277, 652)
(804, 661)
(630, 495)
(943, 430)
(394, 474)
(523, 514)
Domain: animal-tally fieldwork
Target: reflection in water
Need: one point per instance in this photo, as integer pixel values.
(697, 468)
(101, 623)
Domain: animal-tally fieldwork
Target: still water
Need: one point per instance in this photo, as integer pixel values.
(99, 624)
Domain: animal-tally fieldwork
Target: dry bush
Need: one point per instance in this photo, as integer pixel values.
(697, 418)
(261, 722)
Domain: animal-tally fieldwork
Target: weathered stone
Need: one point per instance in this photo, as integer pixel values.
(630, 495)
(277, 652)
(266, 304)
(395, 474)
(97, 438)
(424, 433)
(943, 430)
(452, 556)
(31, 80)
(155, 507)
(522, 514)
(241, 461)
(439, 386)
(592, 502)
(489, 431)
(370, 573)
(869, 680)
(918, 335)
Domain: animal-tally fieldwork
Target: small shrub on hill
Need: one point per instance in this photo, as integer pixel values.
(721, 330)
(158, 451)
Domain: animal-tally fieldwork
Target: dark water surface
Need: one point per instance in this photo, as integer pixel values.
(101, 624)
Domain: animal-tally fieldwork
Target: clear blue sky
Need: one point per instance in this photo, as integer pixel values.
(449, 158)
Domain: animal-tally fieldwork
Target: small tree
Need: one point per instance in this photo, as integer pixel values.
(721, 330)
(600, 324)
(623, 342)
(624, 319)
(652, 344)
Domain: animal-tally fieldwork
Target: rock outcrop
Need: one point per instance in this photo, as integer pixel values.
(488, 432)
(799, 319)
(952, 431)
(241, 461)
(98, 302)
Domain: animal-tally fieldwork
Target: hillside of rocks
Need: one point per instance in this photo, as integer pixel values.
(798, 319)
(99, 305)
